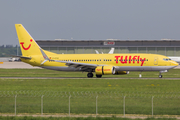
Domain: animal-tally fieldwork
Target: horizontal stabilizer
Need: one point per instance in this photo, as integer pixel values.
(24, 57)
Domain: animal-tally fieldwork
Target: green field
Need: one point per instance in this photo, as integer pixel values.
(84, 92)
(77, 118)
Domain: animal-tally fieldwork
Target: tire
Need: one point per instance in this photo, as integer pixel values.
(160, 76)
(90, 75)
(98, 76)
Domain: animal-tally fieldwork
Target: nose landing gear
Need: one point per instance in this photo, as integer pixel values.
(140, 74)
(160, 76)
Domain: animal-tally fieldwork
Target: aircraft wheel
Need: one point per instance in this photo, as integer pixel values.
(90, 75)
(160, 76)
(98, 76)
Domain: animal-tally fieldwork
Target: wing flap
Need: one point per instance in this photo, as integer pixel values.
(77, 64)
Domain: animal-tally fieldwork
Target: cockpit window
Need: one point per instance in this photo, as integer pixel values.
(166, 59)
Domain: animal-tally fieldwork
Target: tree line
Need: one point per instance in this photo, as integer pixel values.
(8, 51)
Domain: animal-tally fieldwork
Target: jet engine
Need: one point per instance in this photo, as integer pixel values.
(109, 70)
(105, 70)
(121, 72)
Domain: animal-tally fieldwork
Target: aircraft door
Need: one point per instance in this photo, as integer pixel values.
(155, 60)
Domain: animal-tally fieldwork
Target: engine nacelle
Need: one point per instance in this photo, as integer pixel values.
(121, 72)
(105, 70)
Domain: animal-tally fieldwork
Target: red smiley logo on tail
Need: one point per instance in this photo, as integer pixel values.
(22, 43)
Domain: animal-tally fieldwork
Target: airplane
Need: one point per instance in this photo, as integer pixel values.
(100, 64)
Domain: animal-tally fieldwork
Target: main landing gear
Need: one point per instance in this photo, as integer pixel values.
(98, 76)
(90, 75)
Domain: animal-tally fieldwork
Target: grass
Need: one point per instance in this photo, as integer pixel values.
(84, 91)
(76, 118)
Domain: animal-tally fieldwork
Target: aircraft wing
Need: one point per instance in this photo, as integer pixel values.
(77, 65)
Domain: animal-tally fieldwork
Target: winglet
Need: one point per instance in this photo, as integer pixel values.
(44, 56)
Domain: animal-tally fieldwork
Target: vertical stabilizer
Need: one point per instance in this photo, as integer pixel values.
(27, 44)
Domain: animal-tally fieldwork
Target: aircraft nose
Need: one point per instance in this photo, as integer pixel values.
(173, 63)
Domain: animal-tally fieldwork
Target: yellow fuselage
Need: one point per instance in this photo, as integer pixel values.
(118, 60)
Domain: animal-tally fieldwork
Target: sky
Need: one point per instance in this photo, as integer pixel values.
(90, 19)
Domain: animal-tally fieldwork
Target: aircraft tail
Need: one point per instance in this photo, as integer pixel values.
(27, 44)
